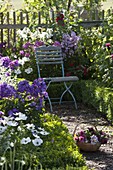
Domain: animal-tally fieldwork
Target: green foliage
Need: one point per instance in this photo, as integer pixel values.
(58, 150)
(60, 144)
(95, 51)
(98, 96)
(103, 57)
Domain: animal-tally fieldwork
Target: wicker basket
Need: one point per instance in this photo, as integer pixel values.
(88, 147)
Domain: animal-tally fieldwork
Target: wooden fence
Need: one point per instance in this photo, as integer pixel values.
(10, 22)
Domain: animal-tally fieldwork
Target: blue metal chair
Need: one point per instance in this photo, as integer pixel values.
(52, 55)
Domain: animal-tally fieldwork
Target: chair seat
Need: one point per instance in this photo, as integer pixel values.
(62, 79)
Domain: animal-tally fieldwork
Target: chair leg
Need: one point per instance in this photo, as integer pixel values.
(68, 90)
(50, 103)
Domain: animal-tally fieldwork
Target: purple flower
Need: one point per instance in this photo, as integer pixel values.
(38, 87)
(57, 43)
(8, 74)
(22, 52)
(27, 45)
(5, 61)
(7, 90)
(82, 133)
(12, 112)
(39, 43)
(13, 64)
(27, 54)
(14, 49)
(33, 104)
(23, 86)
(69, 43)
(3, 45)
(1, 113)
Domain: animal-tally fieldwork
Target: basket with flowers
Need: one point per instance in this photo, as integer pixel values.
(89, 138)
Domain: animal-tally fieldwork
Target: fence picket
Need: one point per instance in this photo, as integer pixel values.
(11, 22)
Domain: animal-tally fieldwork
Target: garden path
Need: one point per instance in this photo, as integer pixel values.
(101, 159)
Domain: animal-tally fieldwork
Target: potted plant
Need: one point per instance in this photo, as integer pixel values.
(90, 138)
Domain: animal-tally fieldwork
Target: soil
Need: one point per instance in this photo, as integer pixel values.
(102, 159)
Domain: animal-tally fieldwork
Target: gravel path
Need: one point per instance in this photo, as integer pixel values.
(101, 159)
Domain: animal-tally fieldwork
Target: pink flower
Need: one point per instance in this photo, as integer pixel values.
(82, 133)
(81, 139)
(108, 44)
(112, 56)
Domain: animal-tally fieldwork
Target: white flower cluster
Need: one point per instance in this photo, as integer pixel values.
(6, 76)
(27, 34)
(13, 121)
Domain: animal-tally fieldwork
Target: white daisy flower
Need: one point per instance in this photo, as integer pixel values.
(25, 140)
(19, 128)
(12, 123)
(2, 129)
(44, 133)
(21, 116)
(30, 126)
(37, 141)
(12, 144)
(41, 128)
(21, 61)
(26, 59)
(35, 133)
(28, 70)
(18, 71)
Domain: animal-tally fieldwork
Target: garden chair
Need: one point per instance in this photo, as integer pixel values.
(52, 55)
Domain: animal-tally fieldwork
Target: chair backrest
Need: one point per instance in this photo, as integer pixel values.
(49, 55)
